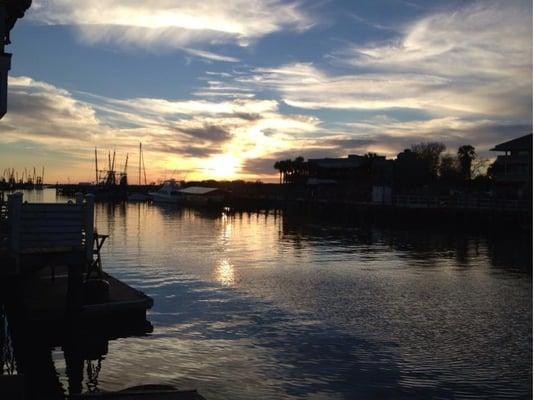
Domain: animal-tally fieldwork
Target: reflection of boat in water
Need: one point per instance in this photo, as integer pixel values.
(139, 197)
(168, 193)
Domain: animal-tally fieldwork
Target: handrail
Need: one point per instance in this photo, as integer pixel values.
(418, 201)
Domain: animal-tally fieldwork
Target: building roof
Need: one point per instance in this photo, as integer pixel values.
(317, 181)
(198, 190)
(520, 143)
(349, 162)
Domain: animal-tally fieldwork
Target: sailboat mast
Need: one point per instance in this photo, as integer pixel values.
(139, 165)
(144, 170)
(96, 168)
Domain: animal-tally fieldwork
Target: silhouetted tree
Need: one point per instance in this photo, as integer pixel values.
(466, 155)
(429, 153)
(479, 167)
(291, 170)
(449, 169)
(277, 165)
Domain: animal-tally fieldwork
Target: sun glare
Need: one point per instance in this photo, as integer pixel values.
(222, 166)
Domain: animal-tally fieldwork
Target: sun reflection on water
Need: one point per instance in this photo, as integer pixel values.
(225, 272)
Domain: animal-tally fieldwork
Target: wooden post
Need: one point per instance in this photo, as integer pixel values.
(89, 226)
(75, 285)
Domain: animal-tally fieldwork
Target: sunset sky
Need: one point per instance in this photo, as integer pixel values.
(223, 89)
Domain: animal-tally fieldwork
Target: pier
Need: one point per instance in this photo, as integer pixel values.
(51, 252)
(53, 291)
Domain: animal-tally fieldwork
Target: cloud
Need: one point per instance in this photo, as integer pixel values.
(176, 134)
(209, 55)
(389, 136)
(486, 39)
(38, 109)
(174, 23)
(476, 60)
(212, 133)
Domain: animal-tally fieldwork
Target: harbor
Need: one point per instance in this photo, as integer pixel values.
(277, 199)
(229, 306)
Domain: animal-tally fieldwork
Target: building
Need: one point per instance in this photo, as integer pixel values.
(354, 168)
(512, 171)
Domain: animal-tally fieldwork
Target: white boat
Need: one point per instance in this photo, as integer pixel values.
(196, 195)
(168, 193)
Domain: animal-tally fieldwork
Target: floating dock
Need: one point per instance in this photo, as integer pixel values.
(42, 299)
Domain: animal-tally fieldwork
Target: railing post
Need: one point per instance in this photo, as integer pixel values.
(89, 226)
(14, 209)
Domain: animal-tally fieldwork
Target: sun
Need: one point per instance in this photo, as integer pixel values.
(222, 165)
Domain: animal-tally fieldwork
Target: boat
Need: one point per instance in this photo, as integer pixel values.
(204, 196)
(169, 192)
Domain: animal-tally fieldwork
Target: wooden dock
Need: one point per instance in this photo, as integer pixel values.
(146, 392)
(55, 294)
(43, 299)
(49, 251)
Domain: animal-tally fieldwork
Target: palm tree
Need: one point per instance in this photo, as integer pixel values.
(466, 155)
(289, 169)
(277, 165)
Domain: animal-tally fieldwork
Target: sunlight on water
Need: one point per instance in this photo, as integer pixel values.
(284, 306)
(225, 273)
(293, 306)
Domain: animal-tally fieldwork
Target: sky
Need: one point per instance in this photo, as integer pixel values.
(223, 89)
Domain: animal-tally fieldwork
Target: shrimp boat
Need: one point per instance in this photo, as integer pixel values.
(168, 193)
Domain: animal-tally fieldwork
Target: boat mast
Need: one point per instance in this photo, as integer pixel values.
(96, 168)
(144, 170)
(139, 165)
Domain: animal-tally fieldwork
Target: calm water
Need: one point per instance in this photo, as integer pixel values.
(275, 306)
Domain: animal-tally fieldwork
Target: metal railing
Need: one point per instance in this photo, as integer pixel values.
(472, 203)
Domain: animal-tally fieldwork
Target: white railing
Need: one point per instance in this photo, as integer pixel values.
(40, 228)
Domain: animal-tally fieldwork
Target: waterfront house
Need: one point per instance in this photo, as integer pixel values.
(512, 171)
(355, 168)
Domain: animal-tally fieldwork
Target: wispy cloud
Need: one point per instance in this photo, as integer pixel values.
(476, 60)
(174, 23)
(209, 55)
(490, 39)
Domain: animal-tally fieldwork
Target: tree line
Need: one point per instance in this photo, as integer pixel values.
(422, 163)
